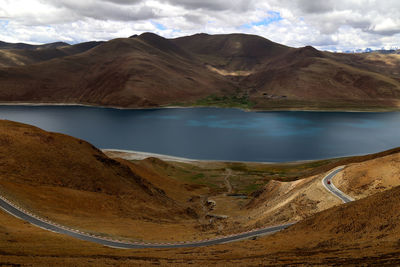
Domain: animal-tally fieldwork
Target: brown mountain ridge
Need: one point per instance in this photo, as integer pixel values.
(243, 70)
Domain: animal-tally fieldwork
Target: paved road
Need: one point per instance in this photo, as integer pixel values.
(47, 225)
(332, 188)
(50, 226)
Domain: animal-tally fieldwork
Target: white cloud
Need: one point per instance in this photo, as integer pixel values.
(329, 24)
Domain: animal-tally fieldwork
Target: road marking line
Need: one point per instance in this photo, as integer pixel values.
(334, 187)
(50, 223)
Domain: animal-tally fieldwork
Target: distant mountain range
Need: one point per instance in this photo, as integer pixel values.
(236, 70)
(370, 50)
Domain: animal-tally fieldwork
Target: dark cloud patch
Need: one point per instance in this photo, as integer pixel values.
(213, 5)
(107, 9)
(360, 24)
(330, 15)
(195, 19)
(324, 41)
(315, 7)
(385, 32)
(123, 2)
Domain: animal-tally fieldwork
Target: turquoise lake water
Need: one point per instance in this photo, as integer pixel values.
(220, 134)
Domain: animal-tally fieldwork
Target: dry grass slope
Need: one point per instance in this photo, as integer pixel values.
(70, 181)
(363, 232)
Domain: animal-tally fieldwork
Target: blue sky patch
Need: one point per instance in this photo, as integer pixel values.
(4, 23)
(272, 17)
(159, 26)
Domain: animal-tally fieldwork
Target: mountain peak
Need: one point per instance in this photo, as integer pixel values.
(309, 51)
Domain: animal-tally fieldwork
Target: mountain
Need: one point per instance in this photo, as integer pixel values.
(370, 50)
(13, 57)
(249, 71)
(5, 45)
(234, 52)
(308, 77)
(137, 72)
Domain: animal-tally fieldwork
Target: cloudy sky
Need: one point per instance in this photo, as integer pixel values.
(325, 24)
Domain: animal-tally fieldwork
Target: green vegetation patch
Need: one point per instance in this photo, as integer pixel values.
(249, 189)
(234, 101)
(248, 177)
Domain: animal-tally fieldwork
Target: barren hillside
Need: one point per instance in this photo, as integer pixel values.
(70, 181)
(280, 202)
(239, 70)
(366, 178)
(365, 232)
(73, 183)
(144, 71)
(13, 57)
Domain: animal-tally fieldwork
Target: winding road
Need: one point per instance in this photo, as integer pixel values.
(25, 215)
(51, 226)
(332, 188)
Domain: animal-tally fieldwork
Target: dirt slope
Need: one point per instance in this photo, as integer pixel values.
(78, 185)
(283, 202)
(32, 156)
(365, 232)
(366, 178)
(70, 181)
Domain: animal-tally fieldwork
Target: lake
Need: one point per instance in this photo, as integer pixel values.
(220, 134)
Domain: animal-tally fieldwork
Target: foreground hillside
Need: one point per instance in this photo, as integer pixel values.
(363, 232)
(236, 70)
(69, 181)
(367, 178)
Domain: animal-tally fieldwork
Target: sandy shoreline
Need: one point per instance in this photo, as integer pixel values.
(140, 155)
(43, 104)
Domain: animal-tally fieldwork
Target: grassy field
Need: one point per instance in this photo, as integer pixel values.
(262, 104)
(233, 101)
(334, 105)
(248, 177)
